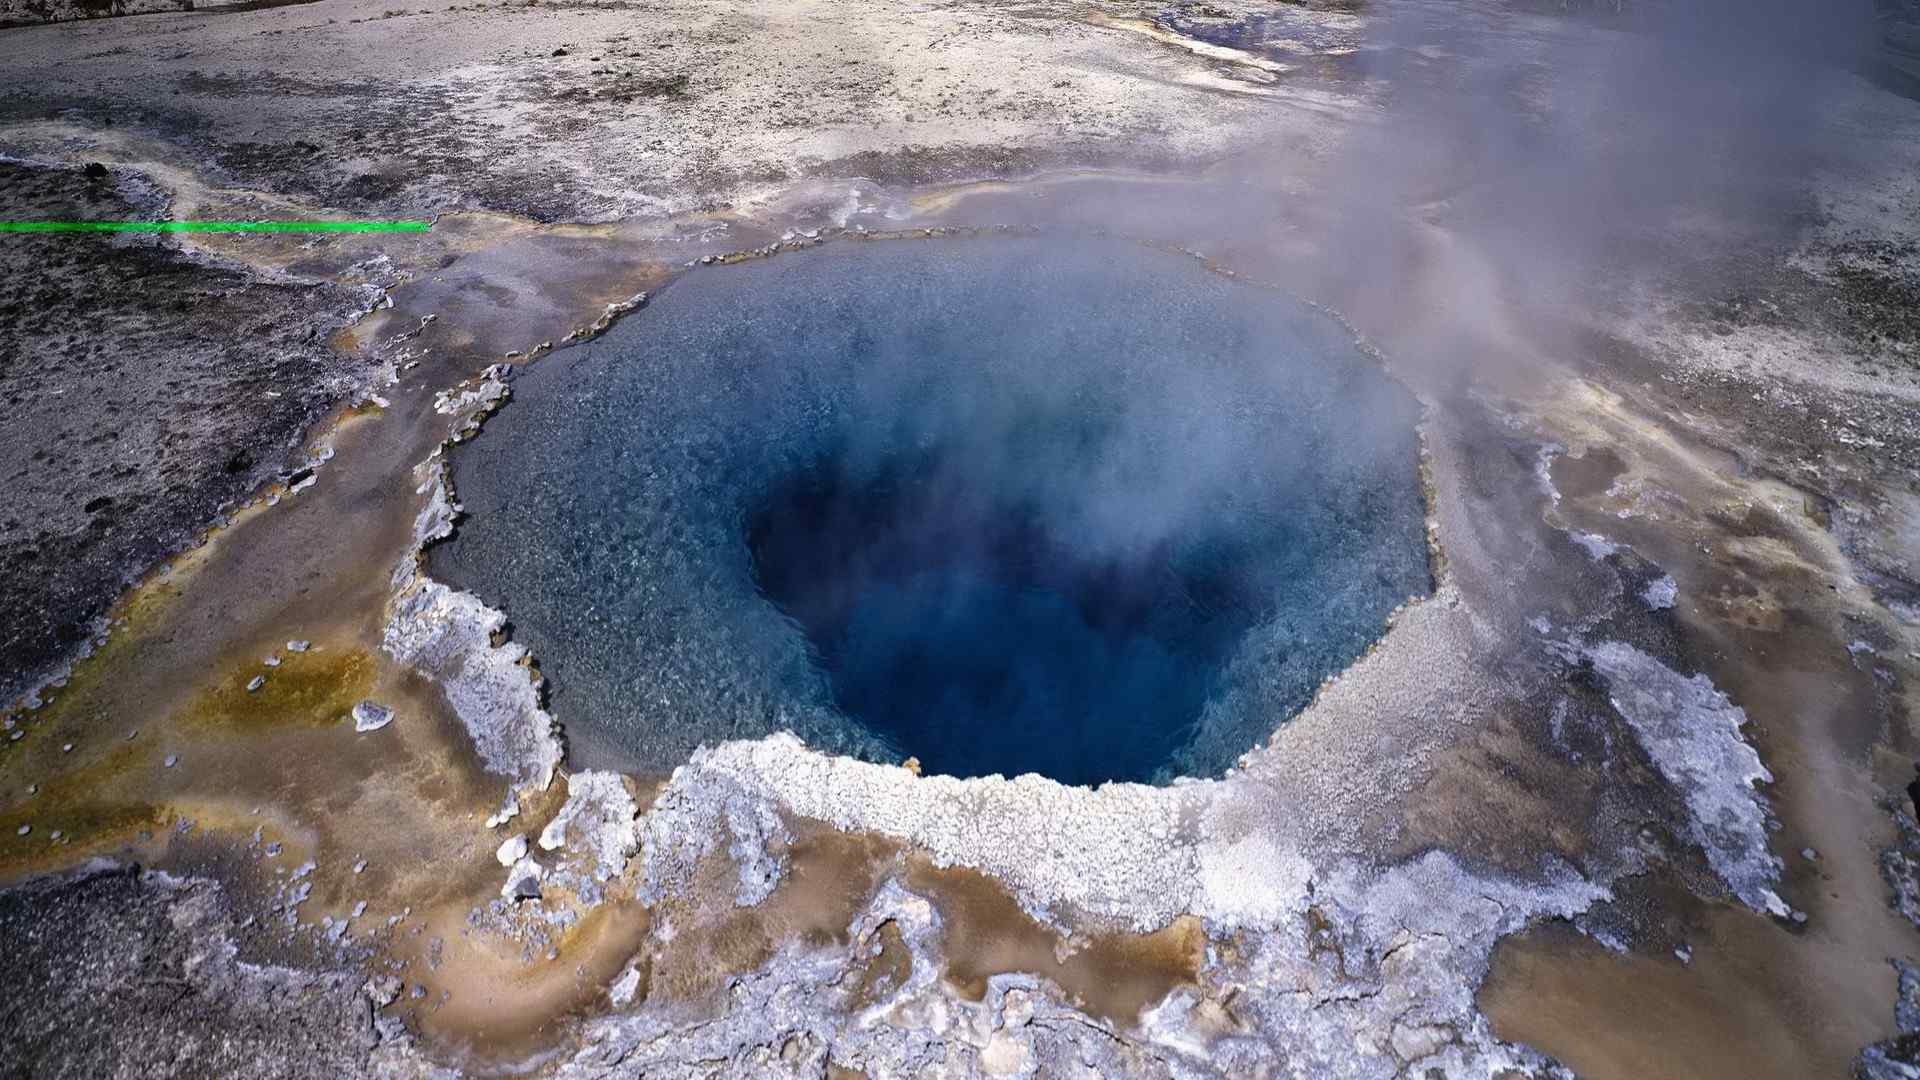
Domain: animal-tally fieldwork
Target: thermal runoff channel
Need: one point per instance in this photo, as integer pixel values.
(1006, 505)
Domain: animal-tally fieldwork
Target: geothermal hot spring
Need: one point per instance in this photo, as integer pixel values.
(1078, 508)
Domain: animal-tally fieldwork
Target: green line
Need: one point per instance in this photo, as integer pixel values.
(216, 226)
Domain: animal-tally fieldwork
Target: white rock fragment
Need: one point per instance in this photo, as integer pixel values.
(360, 867)
(1597, 547)
(271, 661)
(603, 821)
(624, 987)
(513, 850)
(523, 880)
(383, 990)
(371, 716)
(1692, 733)
(172, 760)
(256, 683)
(448, 637)
(299, 646)
(1660, 594)
(509, 809)
(24, 830)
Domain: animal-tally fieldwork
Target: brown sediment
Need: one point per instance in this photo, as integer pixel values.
(1590, 472)
(1500, 785)
(830, 877)
(1738, 1010)
(79, 806)
(1113, 977)
(317, 688)
(487, 998)
(487, 1002)
(1767, 605)
(887, 970)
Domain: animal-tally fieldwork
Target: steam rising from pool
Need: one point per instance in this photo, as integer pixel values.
(1004, 505)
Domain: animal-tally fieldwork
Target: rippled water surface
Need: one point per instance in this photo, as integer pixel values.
(1006, 505)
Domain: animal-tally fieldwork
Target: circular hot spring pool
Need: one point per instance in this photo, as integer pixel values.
(1006, 505)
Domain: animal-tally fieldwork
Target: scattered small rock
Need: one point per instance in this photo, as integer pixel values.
(299, 646)
(360, 866)
(25, 829)
(172, 760)
(523, 881)
(272, 661)
(383, 990)
(371, 716)
(256, 683)
(624, 988)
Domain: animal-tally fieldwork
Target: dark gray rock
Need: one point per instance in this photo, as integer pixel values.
(117, 973)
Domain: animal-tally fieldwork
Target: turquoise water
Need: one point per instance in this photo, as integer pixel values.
(1006, 505)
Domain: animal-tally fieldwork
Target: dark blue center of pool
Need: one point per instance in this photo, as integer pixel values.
(1003, 505)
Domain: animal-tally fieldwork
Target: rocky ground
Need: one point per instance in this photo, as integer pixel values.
(146, 388)
(1627, 796)
(119, 973)
(602, 111)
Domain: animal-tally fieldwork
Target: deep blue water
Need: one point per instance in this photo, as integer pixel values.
(1006, 505)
